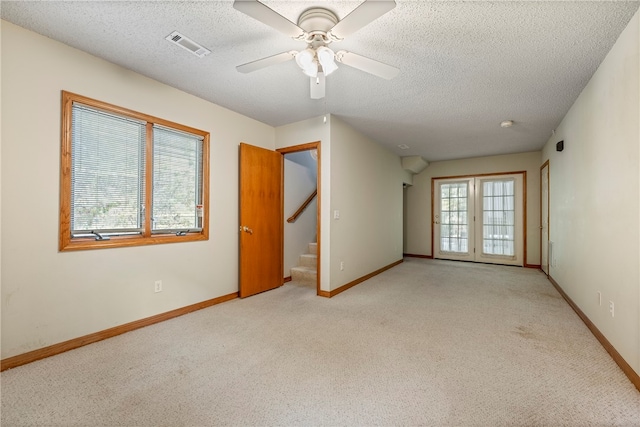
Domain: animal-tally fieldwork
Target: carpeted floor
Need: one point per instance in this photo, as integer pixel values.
(431, 343)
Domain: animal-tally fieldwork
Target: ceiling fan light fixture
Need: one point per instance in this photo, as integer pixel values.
(329, 68)
(311, 70)
(307, 62)
(326, 57)
(304, 58)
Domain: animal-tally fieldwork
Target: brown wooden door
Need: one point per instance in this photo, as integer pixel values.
(261, 220)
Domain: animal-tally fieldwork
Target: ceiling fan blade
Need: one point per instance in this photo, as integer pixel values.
(317, 85)
(268, 16)
(367, 65)
(259, 64)
(362, 15)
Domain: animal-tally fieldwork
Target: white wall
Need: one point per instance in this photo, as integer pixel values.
(418, 197)
(595, 196)
(1, 115)
(366, 183)
(49, 297)
(363, 181)
(300, 181)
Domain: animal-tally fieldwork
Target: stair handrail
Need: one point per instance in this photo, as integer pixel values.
(303, 206)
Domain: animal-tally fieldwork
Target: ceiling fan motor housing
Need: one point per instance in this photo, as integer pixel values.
(317, 22)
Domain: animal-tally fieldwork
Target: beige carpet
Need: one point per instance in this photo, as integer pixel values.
(430, 343)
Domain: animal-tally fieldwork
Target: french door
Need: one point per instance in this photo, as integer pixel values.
(479, 219)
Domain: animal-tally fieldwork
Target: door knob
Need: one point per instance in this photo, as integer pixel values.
(246, 229)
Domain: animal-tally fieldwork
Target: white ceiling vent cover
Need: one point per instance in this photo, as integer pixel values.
(188, 44)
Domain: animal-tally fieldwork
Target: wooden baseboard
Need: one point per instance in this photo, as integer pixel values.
(418, 256)
(357, 281)
(626, 368)
(52, 350)
(537, 266)
(286, 279)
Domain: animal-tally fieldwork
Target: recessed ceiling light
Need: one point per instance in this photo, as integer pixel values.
(403, 146)
(506, 124)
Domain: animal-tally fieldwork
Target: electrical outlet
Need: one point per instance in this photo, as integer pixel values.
(599, 298)
(611, 308)
(158, 286)
(341, 265)
(336, 214)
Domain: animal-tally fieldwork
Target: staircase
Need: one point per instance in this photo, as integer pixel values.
(306, 272)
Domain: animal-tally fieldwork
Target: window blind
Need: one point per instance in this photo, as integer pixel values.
(107, 176)
(177, 180)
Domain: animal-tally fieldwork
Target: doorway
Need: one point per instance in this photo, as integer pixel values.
(544, 217)
(292, 236)
(479, 218)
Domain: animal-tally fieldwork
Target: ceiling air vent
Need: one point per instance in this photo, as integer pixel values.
(188, 44)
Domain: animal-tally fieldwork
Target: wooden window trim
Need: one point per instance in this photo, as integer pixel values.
(66, 243)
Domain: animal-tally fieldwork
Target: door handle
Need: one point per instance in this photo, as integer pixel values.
(246, 229)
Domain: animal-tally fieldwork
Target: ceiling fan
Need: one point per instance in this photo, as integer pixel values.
(318, 27)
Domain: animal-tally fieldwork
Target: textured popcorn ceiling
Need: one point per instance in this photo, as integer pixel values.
(465, 66)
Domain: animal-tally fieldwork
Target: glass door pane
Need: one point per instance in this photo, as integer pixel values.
(454, 222)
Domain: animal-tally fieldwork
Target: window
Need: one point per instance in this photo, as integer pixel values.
(129, 179)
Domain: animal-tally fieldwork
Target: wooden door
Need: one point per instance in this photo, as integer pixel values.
(544, 218)
(261, 220)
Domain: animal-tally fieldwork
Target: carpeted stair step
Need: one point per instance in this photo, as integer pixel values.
(304, 275)
(308, 260)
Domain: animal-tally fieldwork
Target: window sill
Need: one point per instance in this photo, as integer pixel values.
(80, 244)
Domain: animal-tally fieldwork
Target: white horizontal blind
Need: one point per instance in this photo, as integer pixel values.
(107, 176)
(177, 180)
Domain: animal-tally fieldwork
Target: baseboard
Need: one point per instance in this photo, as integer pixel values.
(626, 368)
(357, 281)
(418, 256)
(536, 266)
(286, 279)
(52, 350)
